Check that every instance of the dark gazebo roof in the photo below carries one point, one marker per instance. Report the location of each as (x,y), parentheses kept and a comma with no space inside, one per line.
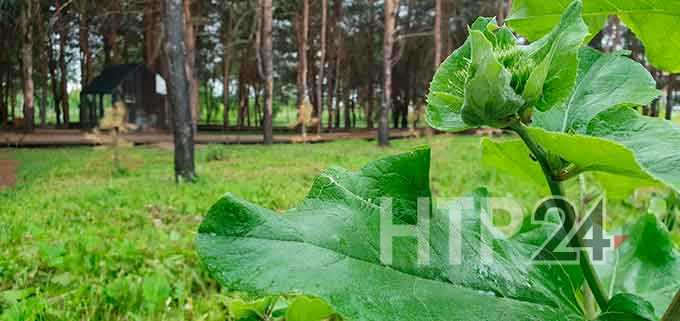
(110,78)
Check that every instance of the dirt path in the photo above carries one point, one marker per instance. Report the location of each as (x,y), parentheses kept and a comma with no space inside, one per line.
(44,138)
(8,173)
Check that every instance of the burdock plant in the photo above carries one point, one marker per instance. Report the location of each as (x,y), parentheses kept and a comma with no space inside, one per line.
(571,107)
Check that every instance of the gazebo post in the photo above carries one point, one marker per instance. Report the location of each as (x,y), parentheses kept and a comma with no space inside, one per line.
(92,105)
(101,105)
(81,112)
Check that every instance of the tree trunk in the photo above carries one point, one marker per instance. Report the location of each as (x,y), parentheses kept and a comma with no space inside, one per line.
(502,12)
(257,43)
(250,124)
(340,56)
(178,91)
(404,110)
(12,102)
(110,34)
(654,112)
(226,65)
(336,61)
(242,94)
(27,66)
(302,34)
(152,34)
(336,105)
(63,68)
(447,43)
(86,67)
(337,94)
(268,58)
(669,97)
(190,61)
(207,100)
(391,8)
(354,112)
(369,107)
(257,106)
(332,69)
(43,102)
(43,67)
(110,40)
(438,34)
(4,71)
(348,109)
(56,95)
(211,100)
(321,67)
(330,91)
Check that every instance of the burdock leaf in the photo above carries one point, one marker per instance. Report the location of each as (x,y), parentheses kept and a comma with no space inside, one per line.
(330,248)
(631,149)
(619,142)
(628,307)
(646,265)
(308,309)
(556,54)
(653,22)
(605,81)
(512,157)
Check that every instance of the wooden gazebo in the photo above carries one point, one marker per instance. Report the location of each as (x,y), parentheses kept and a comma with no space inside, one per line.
(142,90)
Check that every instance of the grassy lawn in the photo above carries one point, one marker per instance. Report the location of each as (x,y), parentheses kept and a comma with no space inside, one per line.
(77,243)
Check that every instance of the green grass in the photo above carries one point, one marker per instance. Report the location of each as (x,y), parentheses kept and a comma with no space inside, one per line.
(78,243)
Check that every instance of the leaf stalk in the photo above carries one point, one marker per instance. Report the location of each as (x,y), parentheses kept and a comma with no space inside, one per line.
(557,190)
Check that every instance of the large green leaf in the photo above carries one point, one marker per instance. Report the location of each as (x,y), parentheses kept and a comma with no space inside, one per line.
(308,309)
(513,157)
(655,142)
(329,247)
(654,22)
(628,307)
(604,81)
(636,150)
(587,153)
(557,53)
(621,141)
(647,265)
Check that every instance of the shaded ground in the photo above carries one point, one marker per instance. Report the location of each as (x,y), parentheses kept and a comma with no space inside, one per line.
(51,137)
(8,174)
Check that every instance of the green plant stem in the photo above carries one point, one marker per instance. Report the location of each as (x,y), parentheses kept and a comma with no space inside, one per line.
(673,312)
(588,298)
(557,190)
